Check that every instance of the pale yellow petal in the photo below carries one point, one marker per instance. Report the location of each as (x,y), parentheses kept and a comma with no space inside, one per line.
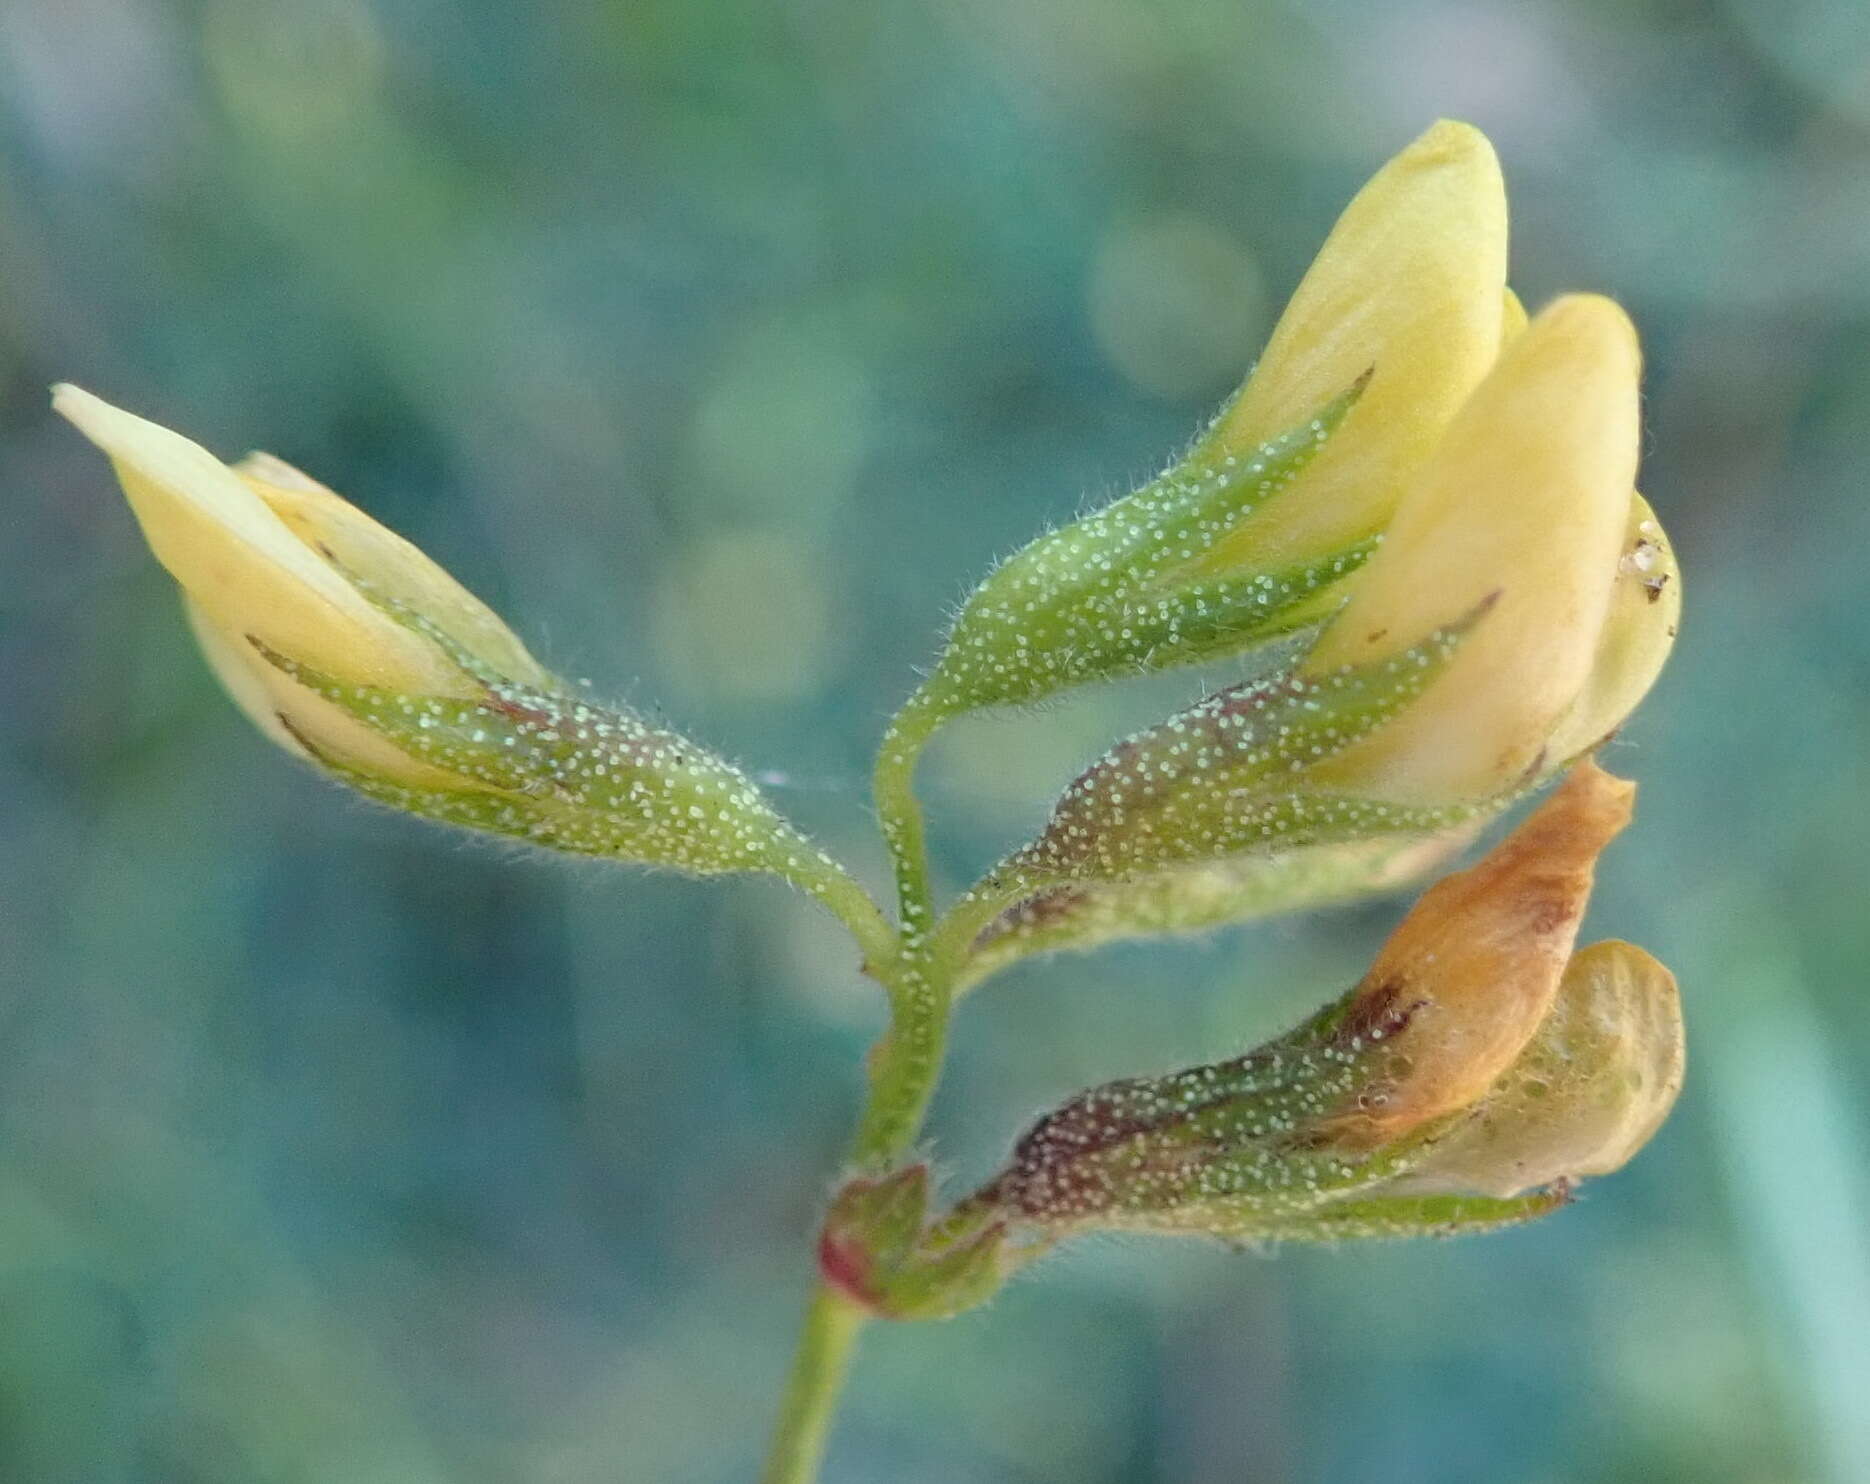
(1409,285)
(395,568)
(1527,499)
(237,561)
(1645,611)
(1512,319)
(266,694)
(244,675)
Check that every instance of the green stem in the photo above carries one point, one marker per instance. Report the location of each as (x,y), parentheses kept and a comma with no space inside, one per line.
(906,1064)
(822,878)
(818,1368)
(899,814)
(905,1067)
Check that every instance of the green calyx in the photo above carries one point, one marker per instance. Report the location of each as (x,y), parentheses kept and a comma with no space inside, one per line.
(1104,596)
(1220,1149)
(1379,1217)
(1200,896)
(1268,1147)
(560,772)
(1227,776)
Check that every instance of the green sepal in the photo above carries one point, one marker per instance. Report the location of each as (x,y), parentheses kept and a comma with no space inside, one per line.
(1216,1149)
(563,773)
(885,1215)
(1226,777)
(944,1283)
(879,1250)
(415,620)
(1379,1217)
(1105,596)
(1080,916)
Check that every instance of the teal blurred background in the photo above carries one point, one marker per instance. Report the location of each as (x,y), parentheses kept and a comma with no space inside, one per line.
(720,346)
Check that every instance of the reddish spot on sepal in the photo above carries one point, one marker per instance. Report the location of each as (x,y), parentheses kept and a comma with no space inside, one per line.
(505,700)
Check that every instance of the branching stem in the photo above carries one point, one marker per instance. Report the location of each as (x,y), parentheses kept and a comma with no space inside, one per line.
(918,968)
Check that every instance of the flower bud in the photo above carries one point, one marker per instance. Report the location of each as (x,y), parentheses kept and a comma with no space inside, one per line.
(240,563)
(348,646)
(1527,497)
(243,570)
(1374,1087)
(1522,602)
(265,551)
(1394,325)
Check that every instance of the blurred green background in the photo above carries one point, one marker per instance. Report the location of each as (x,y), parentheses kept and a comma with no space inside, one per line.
(720,346)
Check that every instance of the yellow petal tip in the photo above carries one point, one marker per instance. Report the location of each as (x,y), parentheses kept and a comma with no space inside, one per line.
(1584,318)
(156,452)
(91,415)
(1452,141)
(271,469)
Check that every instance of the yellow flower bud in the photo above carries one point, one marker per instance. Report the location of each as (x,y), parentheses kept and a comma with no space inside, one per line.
(349,647)
(1588,1092)
(1469,1056)
(264,553)
(1251,536)
(1410,285)
(1527,497)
